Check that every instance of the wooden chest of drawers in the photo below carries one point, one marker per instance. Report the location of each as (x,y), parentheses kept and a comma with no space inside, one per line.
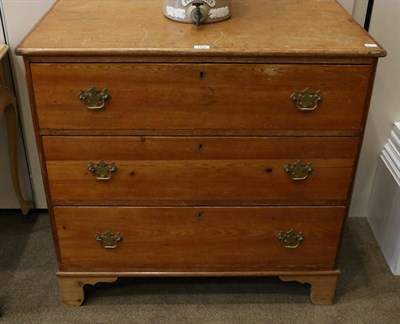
(221,150)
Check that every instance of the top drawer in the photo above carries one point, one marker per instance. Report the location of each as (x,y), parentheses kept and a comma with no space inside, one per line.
(200,97)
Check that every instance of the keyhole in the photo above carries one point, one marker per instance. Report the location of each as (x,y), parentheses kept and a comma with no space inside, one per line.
(201,147)
(200,216)
(202,75)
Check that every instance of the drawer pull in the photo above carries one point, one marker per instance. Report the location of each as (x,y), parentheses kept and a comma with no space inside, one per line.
(307,100)
(94,99)
(299,171)
(291,239)
(102,170)
(108,239)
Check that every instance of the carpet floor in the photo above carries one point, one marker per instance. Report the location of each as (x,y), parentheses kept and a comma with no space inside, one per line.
(367,292)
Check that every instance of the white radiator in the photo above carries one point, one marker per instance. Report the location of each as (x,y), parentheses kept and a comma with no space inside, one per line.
(384,203)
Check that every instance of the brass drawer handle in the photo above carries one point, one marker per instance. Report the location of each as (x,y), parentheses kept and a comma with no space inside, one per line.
(291,239)
(108,239)
(94,99)
(307,100)
(299,171)
(102,170)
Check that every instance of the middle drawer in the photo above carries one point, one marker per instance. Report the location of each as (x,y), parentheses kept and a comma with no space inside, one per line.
(198,170)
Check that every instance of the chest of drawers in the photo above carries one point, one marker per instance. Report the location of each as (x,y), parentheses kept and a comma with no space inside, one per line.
(161,157)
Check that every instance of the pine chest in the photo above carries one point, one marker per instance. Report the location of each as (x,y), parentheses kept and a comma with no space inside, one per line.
(227,149)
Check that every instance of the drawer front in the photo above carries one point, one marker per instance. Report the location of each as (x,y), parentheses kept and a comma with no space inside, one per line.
(197,239)
(196,97)
(198,170)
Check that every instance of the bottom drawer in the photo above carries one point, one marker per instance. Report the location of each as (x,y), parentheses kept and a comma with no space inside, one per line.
(198,239)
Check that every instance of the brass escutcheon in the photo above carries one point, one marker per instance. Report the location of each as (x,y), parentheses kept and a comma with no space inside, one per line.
(299,171)
(102,170)
(291,239)
(306,100)
(94,99)
(108,239)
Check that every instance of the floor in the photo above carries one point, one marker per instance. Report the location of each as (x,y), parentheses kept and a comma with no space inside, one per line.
(367,292)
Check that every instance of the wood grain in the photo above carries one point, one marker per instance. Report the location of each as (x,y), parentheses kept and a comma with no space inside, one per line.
(201,159)
(264,28)
(198,169)
(173,239)
(71,288)
(323,286)
(173,97)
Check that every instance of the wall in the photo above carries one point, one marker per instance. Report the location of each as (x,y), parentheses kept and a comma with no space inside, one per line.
(20,16)
(360,10)
(385,104)
(347,4)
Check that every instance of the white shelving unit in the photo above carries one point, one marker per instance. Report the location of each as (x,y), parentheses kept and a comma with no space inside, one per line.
(384,204)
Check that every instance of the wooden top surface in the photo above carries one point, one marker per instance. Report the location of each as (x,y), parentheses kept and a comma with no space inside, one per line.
(257,27)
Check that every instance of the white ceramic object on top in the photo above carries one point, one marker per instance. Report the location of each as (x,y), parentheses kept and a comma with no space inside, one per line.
(197,11)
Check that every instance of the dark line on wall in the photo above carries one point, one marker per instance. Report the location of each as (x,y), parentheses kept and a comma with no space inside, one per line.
(369,14)
(3,26)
